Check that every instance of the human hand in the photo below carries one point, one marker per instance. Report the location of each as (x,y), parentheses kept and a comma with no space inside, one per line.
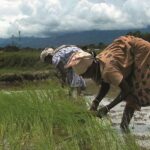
(94,105)
(102,112)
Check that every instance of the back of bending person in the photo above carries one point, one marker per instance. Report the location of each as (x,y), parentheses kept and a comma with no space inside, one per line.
(59,58)
(124,63)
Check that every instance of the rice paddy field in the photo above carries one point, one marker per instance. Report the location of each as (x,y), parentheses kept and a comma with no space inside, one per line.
(36,113)
(44,117)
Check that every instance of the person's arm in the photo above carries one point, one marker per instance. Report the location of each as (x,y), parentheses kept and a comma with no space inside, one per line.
(62,71)
(101,94)
(125,91)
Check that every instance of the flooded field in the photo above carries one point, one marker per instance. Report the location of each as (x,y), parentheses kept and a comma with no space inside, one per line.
(140,123)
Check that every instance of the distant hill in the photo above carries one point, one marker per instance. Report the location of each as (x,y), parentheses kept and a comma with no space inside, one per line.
(77,38)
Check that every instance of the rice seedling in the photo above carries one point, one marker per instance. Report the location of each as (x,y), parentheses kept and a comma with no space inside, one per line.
(48,119)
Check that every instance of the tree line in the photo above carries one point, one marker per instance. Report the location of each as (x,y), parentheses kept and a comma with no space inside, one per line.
(145,36)
(99,46)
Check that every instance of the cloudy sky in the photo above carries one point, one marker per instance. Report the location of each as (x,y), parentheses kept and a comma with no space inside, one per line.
(42,17)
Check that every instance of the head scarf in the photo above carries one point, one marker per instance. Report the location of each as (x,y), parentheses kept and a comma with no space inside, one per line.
(46,52)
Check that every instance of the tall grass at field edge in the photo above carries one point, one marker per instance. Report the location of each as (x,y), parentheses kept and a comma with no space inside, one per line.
(51,120)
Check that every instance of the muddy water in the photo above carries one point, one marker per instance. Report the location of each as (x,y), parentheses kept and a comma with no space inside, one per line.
(140,123)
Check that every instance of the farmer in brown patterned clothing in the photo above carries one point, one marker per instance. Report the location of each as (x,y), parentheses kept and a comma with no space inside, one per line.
(124,63)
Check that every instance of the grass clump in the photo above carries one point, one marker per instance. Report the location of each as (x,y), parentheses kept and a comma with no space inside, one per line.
(21,61)
(50,120)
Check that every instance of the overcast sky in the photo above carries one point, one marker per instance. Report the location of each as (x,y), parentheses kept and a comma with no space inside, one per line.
(41,17)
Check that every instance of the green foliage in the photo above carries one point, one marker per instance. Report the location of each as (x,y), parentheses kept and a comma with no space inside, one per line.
(29,76)
(23,65)
(145,36)
(21,61)
(49,119)
(11,48)
(98,47)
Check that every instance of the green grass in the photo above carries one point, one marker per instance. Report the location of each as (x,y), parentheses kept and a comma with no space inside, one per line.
(23,65)
(47,119)
(21,61)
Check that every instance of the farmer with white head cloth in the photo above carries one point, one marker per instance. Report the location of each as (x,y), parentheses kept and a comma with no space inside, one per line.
(59,58)
(126,64)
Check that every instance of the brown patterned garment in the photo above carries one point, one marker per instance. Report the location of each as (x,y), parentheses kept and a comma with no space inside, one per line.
(128,58)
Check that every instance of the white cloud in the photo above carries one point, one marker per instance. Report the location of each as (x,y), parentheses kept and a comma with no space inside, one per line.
(138,12)
(39,18)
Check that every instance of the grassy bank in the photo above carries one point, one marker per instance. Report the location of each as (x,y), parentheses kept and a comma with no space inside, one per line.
(44,119)
(23,65)
(17,60)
